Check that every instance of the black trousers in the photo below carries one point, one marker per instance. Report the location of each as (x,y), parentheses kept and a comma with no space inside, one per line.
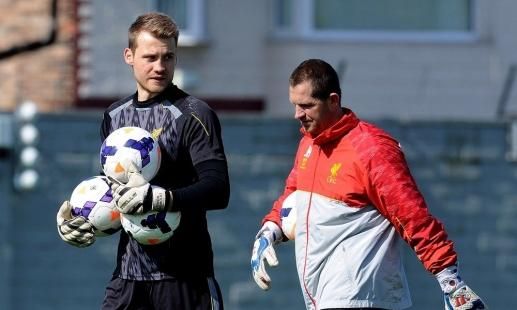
(167,294)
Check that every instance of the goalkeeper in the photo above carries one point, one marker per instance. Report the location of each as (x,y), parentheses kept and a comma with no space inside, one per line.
(193,178)
(356,202)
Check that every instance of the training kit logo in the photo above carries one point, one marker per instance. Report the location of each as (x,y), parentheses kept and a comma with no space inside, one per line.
(305,158)
(156,133)
(333,173)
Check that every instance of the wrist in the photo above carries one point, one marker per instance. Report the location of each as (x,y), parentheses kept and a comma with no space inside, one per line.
(161,199)
(271,231)
(449,279)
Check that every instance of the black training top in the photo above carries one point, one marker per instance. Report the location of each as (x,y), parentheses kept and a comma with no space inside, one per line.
(193,166)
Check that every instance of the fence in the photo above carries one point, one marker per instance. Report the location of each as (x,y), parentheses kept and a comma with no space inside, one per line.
(460,167)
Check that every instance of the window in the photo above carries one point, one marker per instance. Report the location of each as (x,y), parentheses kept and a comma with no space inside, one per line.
(410,19)
(190,16)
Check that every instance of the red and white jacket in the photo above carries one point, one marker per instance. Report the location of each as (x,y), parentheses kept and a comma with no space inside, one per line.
(355,200)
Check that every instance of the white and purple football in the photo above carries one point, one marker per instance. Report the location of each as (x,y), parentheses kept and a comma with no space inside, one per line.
(130,149)
(92,199)
(288,216)
(152,227)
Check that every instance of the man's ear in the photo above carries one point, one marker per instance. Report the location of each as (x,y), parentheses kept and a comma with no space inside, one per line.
(128,56)
(335,100)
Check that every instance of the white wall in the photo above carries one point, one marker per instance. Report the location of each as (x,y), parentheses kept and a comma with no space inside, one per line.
(384,79)
(233,62)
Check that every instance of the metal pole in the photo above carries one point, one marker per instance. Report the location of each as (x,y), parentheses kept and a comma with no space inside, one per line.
(6,176)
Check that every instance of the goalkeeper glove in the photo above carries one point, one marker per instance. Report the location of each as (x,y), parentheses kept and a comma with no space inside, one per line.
(456,294)
(137,196)
(269,235)
(76,231)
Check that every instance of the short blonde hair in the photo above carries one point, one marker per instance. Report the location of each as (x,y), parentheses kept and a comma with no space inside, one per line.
(158,24)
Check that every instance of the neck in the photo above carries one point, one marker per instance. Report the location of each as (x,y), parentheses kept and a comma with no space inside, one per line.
(144,96)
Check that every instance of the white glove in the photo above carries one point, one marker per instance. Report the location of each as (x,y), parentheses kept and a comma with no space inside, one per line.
(137,196)
(269,235)
(456,294)
(76,231)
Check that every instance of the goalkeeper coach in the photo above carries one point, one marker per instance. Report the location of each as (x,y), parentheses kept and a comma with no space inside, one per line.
(355,201)
(177,274)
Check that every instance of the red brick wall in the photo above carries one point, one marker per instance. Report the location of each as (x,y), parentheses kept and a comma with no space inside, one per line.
(44,74)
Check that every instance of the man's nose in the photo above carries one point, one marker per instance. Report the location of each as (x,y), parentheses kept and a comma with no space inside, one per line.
(159,65)
(298,113)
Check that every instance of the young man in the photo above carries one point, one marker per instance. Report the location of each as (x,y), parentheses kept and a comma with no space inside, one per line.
(193,178)
(355,201)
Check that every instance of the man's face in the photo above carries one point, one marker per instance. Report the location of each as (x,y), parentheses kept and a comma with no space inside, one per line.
(315,115)
(153,62)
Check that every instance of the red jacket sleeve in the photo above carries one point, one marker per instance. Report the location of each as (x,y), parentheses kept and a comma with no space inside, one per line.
(290,186)
(392,189)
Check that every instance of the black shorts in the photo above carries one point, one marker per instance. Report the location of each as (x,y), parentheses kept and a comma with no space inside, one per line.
(168,294)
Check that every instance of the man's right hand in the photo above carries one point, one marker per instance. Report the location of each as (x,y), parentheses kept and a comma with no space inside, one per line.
(263,250)
(76,231)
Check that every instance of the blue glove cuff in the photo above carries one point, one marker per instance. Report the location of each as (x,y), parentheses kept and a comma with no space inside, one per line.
(271,231)
(449,279)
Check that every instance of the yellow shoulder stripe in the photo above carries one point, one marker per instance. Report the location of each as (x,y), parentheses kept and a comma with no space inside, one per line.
(204,127)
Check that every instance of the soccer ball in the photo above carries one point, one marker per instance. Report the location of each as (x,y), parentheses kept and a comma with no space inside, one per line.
(92,199)
(130,149)
(152,227)
(288,216)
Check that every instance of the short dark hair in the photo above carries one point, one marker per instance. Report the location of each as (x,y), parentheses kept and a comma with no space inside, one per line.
(158,24)
(323,77)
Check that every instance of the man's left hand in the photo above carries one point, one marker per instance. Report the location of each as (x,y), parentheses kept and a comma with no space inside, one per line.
(463,299)
(456,294)
(137,196)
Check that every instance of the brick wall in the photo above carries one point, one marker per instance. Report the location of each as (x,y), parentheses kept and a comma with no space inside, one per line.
(45,72)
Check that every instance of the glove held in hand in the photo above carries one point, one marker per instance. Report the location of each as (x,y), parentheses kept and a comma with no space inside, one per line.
(269,235)
(76,231)
(457,295)
(138,196)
